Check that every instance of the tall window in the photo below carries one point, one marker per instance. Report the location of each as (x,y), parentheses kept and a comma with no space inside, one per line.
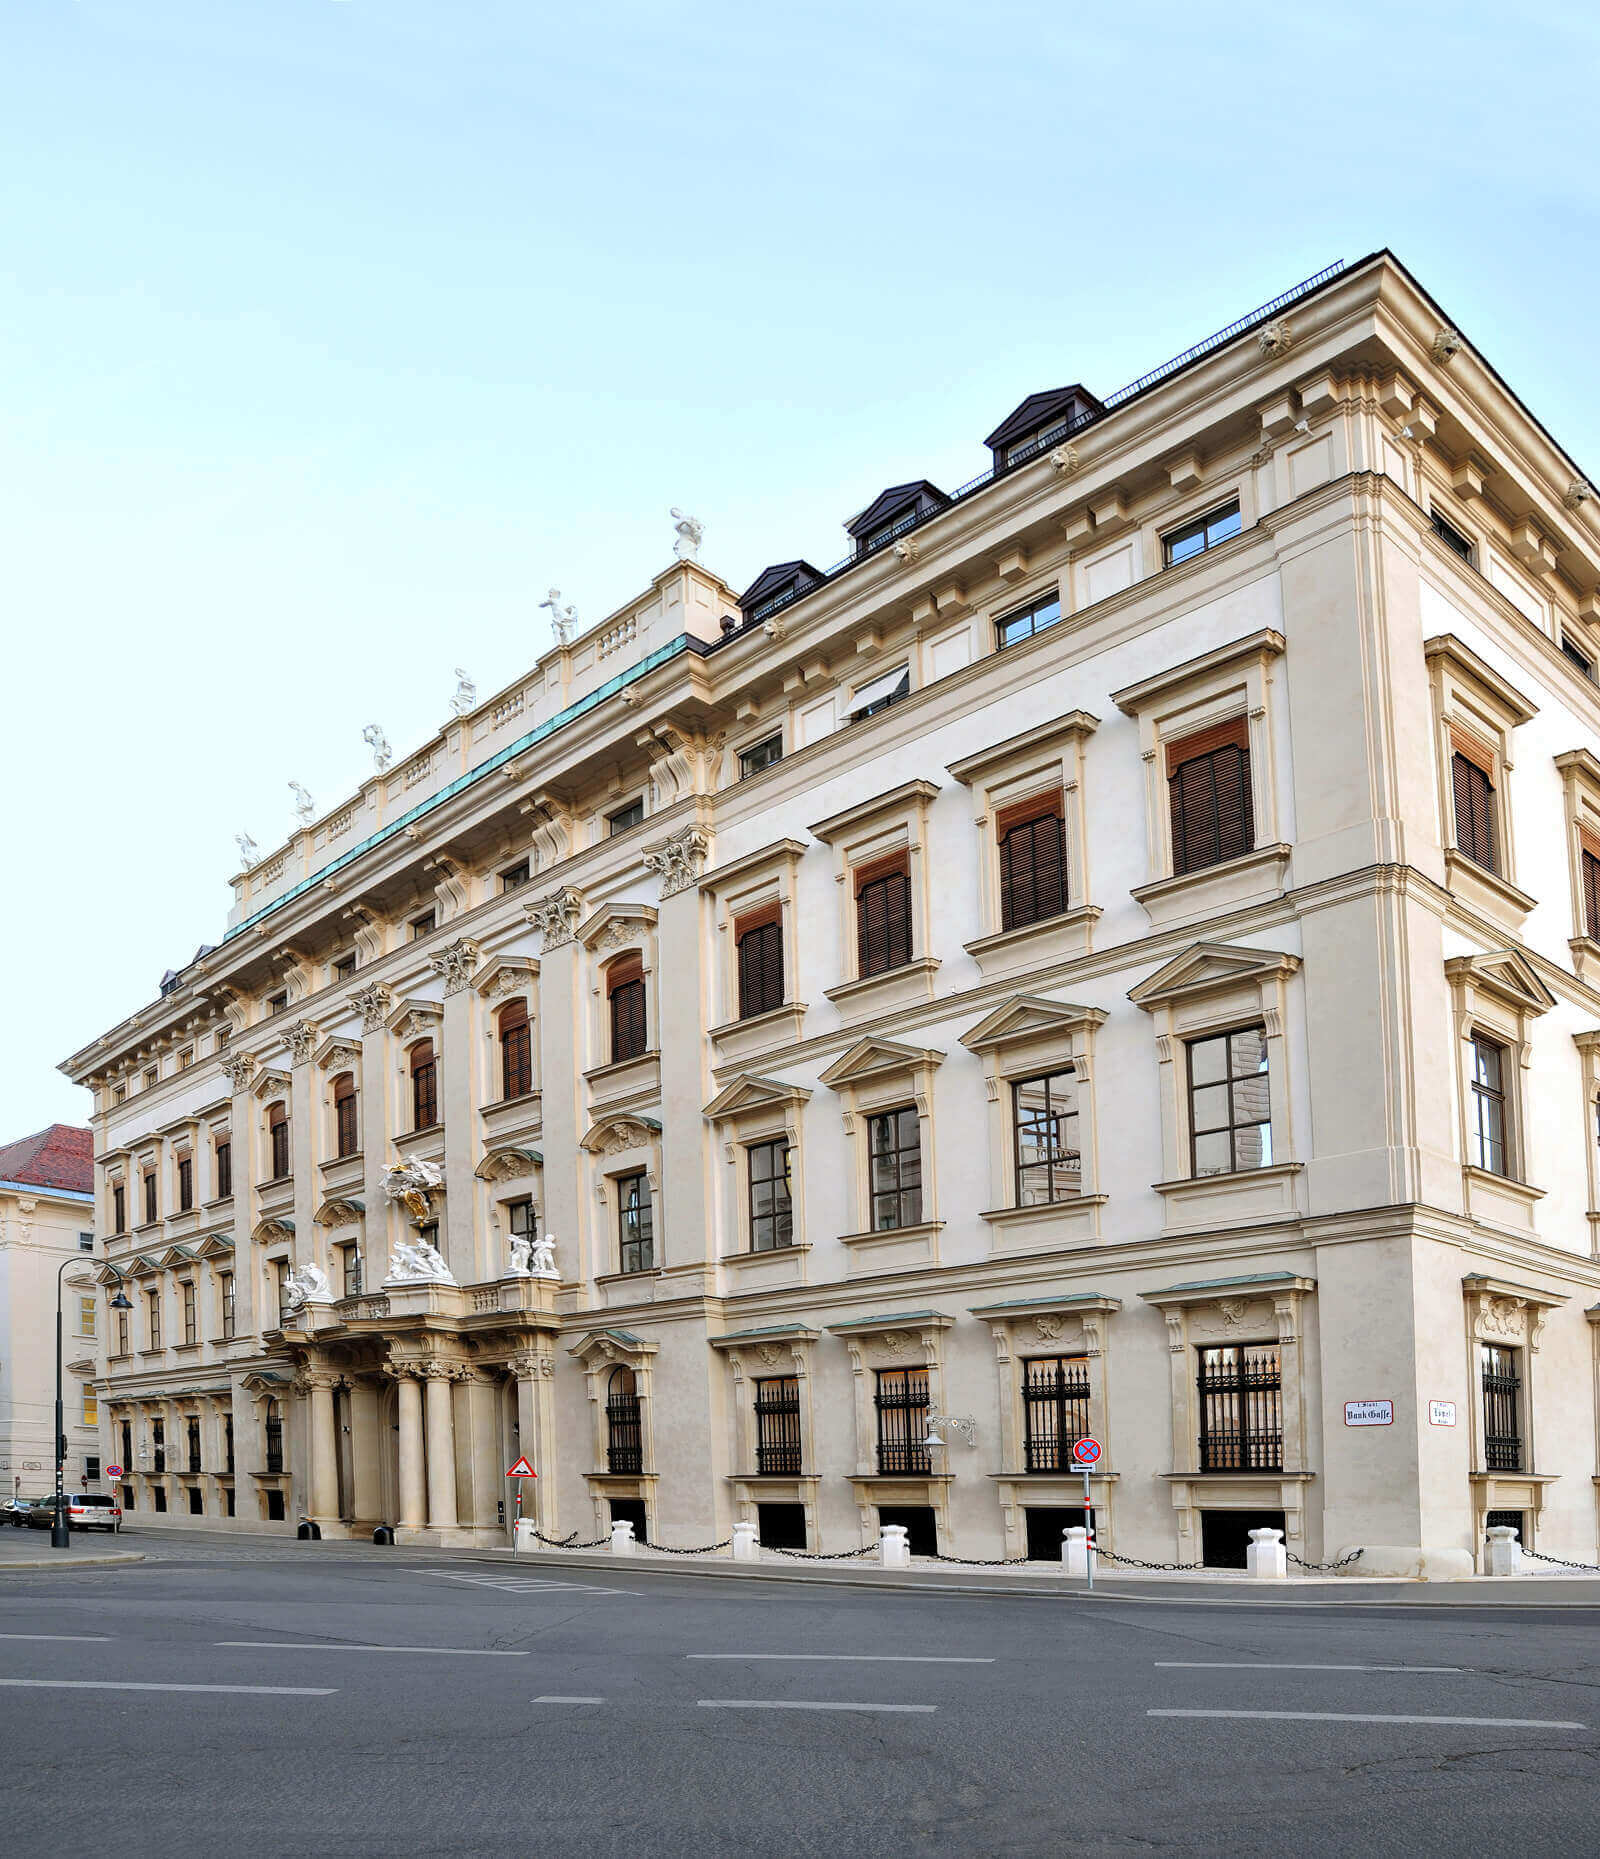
(1230,1112)
(153,1306)
(88,1316)
(274,1429)
(625,994)
(522,1218)
(424,1086)
(1241,1408)
(190,1330)
(1589,869)
(224,1169)
(225,1290)
(280,1277)
(1208,788)
(758,941)
(1499,1372)
(125,1431)
(1024,622)
(350,1260)
(227,1442)
(91,1405)
(635,1223)
(771,1206)
(185,1183)
(777,1406)
(883,914)
(1045,1118)
(1055,1411)
(151,1209)
(1033,860)
(346,1136)
(278,1141)
(119,1207)
(158,1445)
(901,1399)
(192,1430)
(1486,1129)
(895,1162)
(516,1050)
(123,1342)
(1474,798)
(624,1427)
(1203,533)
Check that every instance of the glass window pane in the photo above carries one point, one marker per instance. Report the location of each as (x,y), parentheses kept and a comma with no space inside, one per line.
(1208,1060)
(1213,1155)
(1252,1146)
(1210,1110)
(1221,527)
(1181,547)
(1248,1052)
(1250,1101)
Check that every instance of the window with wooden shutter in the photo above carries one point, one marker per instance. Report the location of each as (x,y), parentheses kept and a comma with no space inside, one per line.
(758,940)
(883,914)
(1208,781)
(1589,869)
(346,1137)
(278,1140)
(625,991)
(424,1086)
(1472,783)
(1032,838)
(516,1050)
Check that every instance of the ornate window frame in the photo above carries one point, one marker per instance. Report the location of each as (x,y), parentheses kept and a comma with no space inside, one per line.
(502,980)
(611,931)
(874,1076)
(1588,1044)
(769,875)
(1211,988)
(1580,778)
(746,1111)
(750,1356)
(912,1339)
(1499,995)
(1036,762)
(1235,680)
(1500,1310)
(599,1351)
(619,1144)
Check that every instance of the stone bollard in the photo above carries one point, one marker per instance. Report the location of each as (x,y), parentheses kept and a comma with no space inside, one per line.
(746,1543)
(894,1546)
(1075,1552)
(1266,1558)
(522,1536)
(622,1539)
(1503,1555)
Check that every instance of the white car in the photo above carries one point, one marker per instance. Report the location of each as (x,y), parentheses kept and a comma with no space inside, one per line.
(93,1510)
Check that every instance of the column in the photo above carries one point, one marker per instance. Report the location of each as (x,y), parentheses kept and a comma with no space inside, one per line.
(366,1446)
(535,1373)
(460,1063)
(322,1447)
(441,1448)
(413,1513)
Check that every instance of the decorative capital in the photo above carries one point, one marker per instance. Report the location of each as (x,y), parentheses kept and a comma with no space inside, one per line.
(238,1069)
(373,1003)
(301,1039)
(679,861)
(456,964)
(557,915)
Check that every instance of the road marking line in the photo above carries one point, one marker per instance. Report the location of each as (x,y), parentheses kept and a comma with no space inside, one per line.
(459,1652)
(792,1704)
(555,1700)
(1272,1665)
(847,1658)
(1486,1723)
(118,1684)
(95,1639)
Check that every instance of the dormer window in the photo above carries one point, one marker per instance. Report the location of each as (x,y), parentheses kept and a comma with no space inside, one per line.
(1041,422)
(892,513)
(775,587)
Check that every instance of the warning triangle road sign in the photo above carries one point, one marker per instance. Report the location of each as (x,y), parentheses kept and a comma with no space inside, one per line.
(522,1469)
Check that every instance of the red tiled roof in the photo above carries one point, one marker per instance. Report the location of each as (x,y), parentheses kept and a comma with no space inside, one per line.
(59,1157)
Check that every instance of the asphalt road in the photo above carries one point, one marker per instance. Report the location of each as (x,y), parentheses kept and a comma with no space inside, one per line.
(270,1698)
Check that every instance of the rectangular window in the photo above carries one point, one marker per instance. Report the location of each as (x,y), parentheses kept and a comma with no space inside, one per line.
(225,1288)
(516,1051)
(274,1442)
(278,1141)
(760,755)
(280,1276)
(192,1440)
(190,1332)
(153,1305)
(424,1090)
(1452,537)
(1032,840)
(1205,532)
(1589,865)
(224,1170)
(777,1407)
(150,1207)
(86,1242)
(91,1405)
(635,1223)
(278,1003)
(895,1164)
(1055,1411)
(158,1450)
(350,1259)
(1486,1115)
(185,1058)
(1230,1111)
(345,966)
(1499,1371)
(771,1208)
(1241,1408)
(185,1183)
(152,1077)
(1209,793)
(625,991)
(91,1468)
(346,1135)
(424,925)
(227,1452)
(515,877)
(119,1207)
(758,942)
(624,1422)
(123,1344)
(624,817)
(88,1316)
(880,694)
(901,1398)
(1024,622)
(1578,656)
(883,914)
(1472,786)
(1045,1119)
(522,1219)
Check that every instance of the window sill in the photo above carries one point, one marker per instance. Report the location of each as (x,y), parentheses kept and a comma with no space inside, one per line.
(1497,1200)
(1585,959)
(893,1249)
(626,1078)
(762,1032)
(428,1140)
(1036,945)
(1204,1201)
(647,1276)
(1233,884)
(905,986)
(222,1200)
(749,1261)
(1075,1221)
(187,1349)
(1486,891)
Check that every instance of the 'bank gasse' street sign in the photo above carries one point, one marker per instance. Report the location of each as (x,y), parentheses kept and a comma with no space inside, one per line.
(1369,1413)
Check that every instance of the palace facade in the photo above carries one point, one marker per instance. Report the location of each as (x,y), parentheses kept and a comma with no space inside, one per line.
(1117,955)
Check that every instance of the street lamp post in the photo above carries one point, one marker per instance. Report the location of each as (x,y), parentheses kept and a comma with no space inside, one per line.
(60,1529)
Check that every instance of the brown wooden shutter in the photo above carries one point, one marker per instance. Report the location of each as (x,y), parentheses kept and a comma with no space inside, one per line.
(1234,734)
(758,937)
(1033,860)
(1035,807)
(1590,862)
(1473,793)
(1208,784)
(757,919)
(1478,752)
(882,868)
(883,914)
(625,968)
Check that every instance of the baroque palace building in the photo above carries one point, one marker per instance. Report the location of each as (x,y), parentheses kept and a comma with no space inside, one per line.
(1118,955)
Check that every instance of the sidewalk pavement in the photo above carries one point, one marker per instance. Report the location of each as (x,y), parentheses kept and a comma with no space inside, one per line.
(30,1549)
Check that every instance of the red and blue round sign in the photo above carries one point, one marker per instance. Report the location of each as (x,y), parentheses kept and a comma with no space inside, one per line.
(1086,1451)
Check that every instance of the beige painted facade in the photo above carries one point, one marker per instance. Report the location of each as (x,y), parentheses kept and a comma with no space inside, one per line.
(1379,1252)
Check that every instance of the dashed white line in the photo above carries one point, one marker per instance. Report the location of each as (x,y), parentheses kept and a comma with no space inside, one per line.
(88,1639)
(847,1658)
(556,1700)
(1483,1723)
(119,1684)
(458,1652)
(797,1704)
(1273,1665)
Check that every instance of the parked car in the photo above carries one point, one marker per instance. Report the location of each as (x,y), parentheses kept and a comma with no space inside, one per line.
(86,1510)
(15,1511)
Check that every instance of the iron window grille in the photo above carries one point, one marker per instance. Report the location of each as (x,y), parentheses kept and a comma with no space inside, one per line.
(624,1423)
(1230,1110)
(1024,622)
(1502,1408)
(1486,1138)
(771,1197)
(901,1398)
(1476,831)
(274,1437)
(1044,1115)
(777,1407)
(224,1171)
(1205,532)
(760,755)
(894,1140)
(636,1223)
(883,922)
(1055,1411)
(347,1140)
(760,957)
(1241,1408)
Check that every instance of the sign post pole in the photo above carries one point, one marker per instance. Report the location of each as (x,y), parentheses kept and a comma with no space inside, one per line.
(1086,1452)
(521,1470)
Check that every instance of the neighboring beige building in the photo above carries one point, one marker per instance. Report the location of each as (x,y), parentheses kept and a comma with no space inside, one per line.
(47,1223)
(1119,953)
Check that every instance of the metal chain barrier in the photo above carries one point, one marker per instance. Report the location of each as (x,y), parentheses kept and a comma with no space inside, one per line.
(705,1549)
(822,1555)
(984,1562)
(571,1542)
(1343,1562)
(1533,1555)
(1133,1562)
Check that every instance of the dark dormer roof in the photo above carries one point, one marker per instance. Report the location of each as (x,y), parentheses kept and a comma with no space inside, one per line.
(897,500)
(1038,410)
(781,578)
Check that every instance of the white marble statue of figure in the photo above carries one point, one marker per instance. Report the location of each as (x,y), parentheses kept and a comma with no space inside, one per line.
(304,806)
(517,1252)
(414,1262)
(247,849)
(378,743)
(691,532)
(466,694)
(562,619)
(543,1262)
(307,1284)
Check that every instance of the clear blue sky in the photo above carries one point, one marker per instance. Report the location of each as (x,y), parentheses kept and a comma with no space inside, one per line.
(332,332)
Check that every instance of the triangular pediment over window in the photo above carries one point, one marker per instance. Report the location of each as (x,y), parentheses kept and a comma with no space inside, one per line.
(871,1058)
(215,1246)
(1505,974)
(1209,967)
(748,1092)
(1025,1016)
